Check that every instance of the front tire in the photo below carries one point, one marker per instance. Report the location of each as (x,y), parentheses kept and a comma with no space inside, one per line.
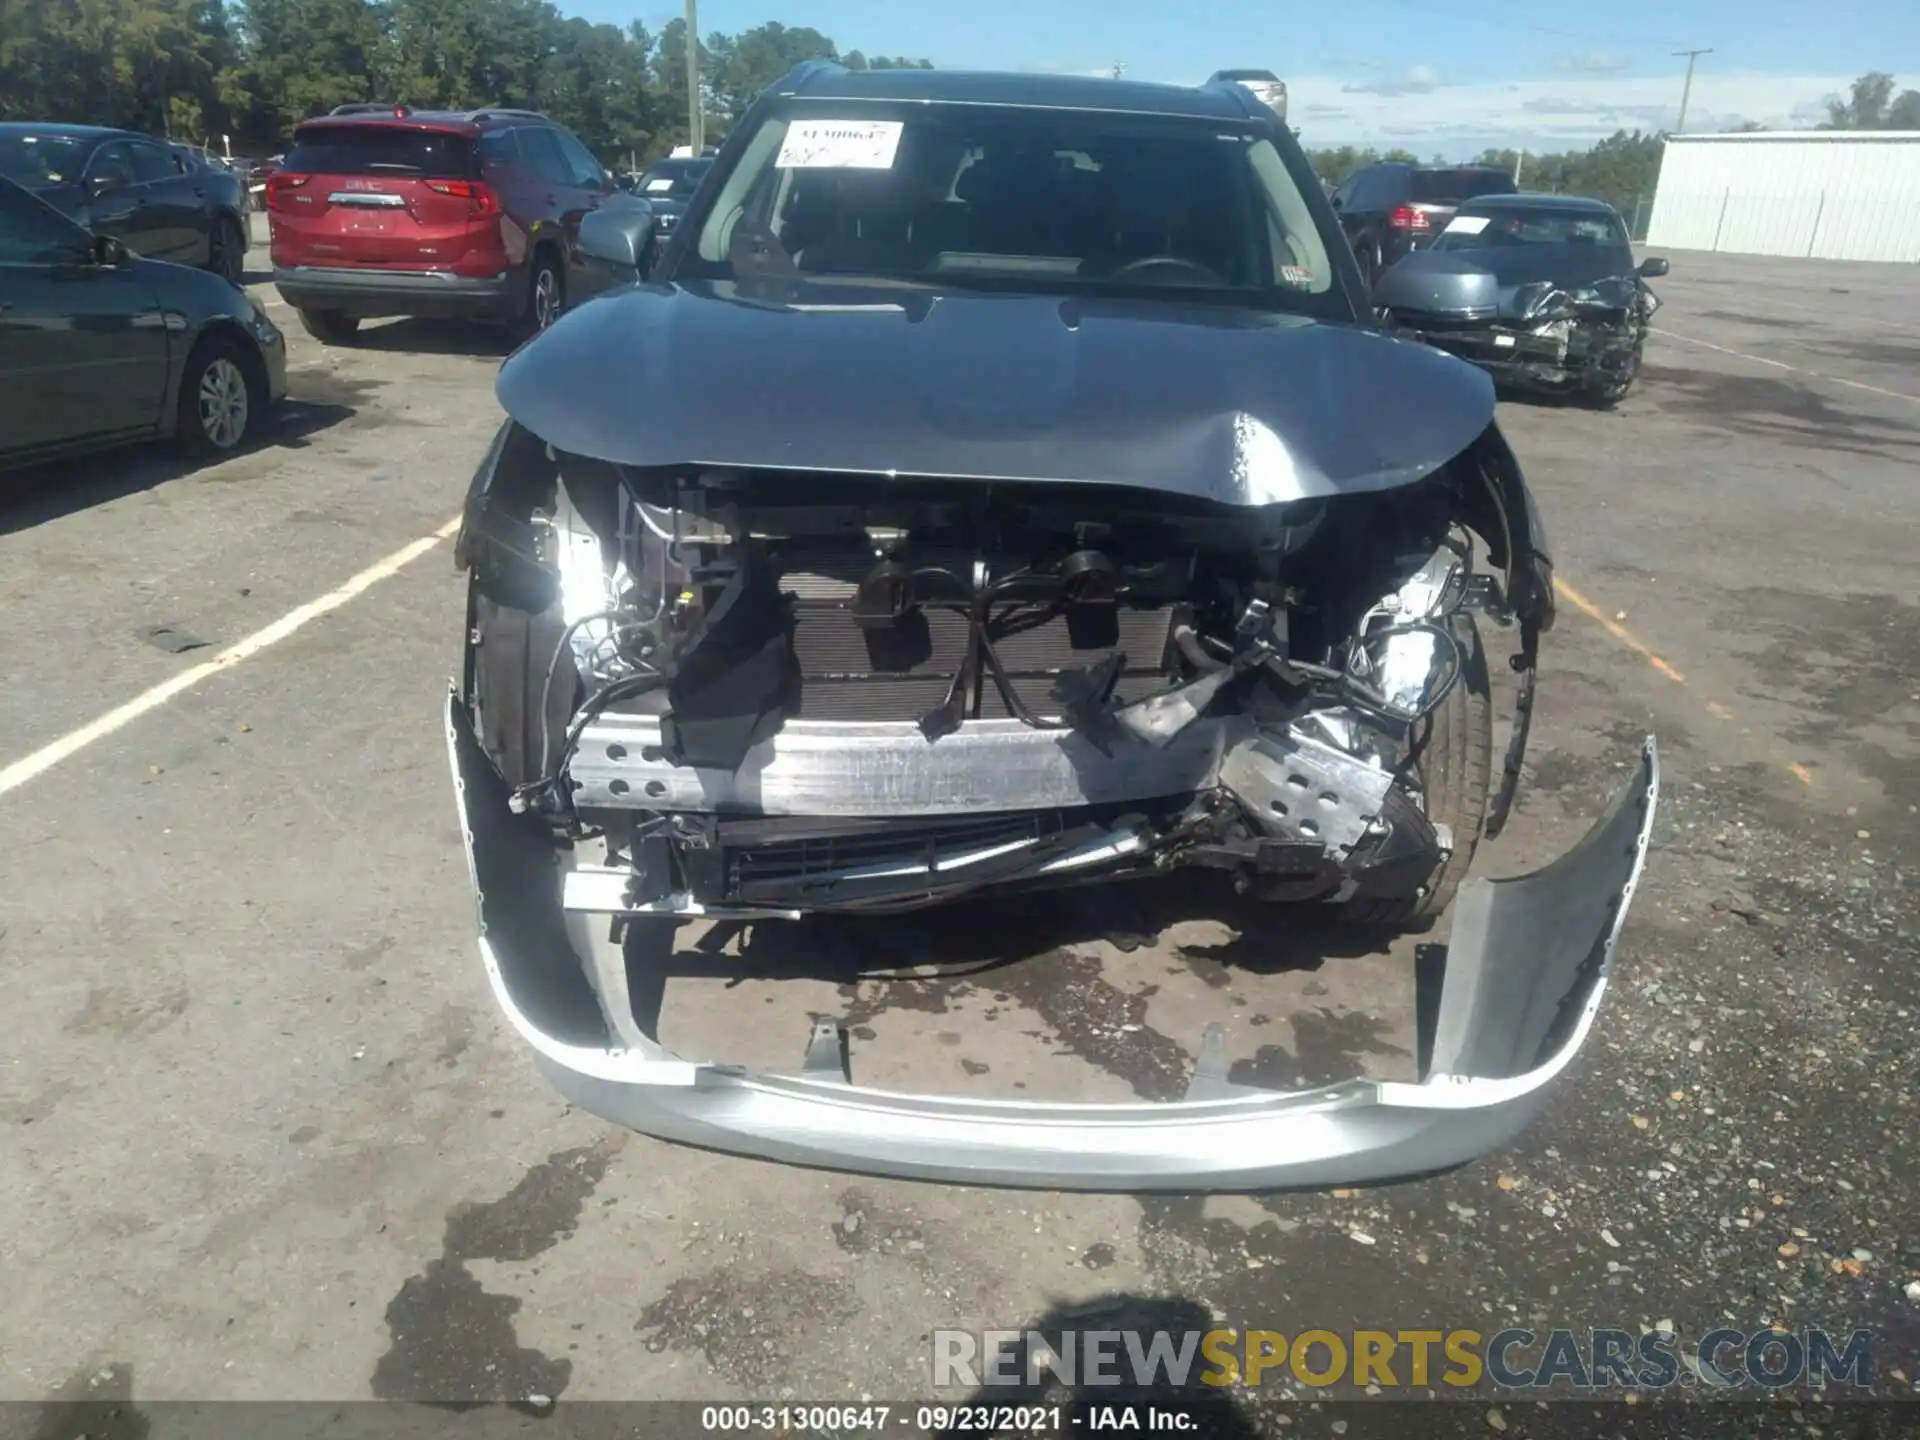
(1452,754)
(1608,395)
(329,327)
(221,399)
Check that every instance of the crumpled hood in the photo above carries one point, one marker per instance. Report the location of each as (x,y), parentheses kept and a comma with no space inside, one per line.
(1606,273)
(1571,267)
(1242,407)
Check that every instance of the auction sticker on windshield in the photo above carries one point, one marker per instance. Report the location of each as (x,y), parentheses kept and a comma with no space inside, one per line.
(839,145)
(1467,224)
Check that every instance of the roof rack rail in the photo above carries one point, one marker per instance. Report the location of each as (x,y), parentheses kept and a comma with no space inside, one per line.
(488,112)
(1264,86)
(367,107)
(796,79)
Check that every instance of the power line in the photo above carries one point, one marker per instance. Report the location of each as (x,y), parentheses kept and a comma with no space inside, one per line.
(1686,90)
(1455,13)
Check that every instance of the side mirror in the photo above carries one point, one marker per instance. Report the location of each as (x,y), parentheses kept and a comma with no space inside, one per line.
(617,236)
(1653,269)
(108,253)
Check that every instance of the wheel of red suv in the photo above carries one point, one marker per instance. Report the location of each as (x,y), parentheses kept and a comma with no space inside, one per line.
(546,298)
(227,250)
(329,327)
(1453,753)
(220,397)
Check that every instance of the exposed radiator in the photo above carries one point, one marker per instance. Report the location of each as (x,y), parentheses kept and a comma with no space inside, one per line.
(900,673)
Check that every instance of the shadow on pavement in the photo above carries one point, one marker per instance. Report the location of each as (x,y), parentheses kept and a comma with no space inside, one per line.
(1782,410)
(46,492)
(1265,939)
(431,337)
(1126,1325)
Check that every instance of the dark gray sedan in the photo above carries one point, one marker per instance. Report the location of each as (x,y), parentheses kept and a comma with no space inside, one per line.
(99,347)
(157,199)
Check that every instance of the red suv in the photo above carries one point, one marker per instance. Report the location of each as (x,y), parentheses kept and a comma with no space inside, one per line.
(469,215)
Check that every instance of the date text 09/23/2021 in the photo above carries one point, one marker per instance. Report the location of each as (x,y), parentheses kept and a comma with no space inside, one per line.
(845,1420)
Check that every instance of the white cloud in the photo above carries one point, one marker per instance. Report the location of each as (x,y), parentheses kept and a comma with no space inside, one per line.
(1598,62)
(1570,112)
(1416,80)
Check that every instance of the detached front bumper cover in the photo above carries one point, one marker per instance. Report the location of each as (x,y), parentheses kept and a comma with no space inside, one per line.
(1523,976)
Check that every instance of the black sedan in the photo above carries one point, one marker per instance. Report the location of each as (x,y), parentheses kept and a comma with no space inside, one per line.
(99,347)
(668,185)
(157,199)
(1541,291)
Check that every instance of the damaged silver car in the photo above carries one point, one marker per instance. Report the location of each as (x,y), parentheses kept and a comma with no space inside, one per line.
(999,483)
(1540,291)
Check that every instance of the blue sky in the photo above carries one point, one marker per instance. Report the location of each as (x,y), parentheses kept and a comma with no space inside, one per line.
(1441,76)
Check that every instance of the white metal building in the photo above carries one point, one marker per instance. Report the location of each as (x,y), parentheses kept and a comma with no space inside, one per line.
(1826,194)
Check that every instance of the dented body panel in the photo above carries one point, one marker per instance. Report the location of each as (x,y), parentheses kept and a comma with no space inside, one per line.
(1240,406)
(822,590)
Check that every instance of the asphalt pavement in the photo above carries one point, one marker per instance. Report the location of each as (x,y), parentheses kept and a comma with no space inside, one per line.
(264,1136)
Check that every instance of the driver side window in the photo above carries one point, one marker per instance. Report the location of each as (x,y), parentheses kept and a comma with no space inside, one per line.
(113,165)
(587,173)
(35,234)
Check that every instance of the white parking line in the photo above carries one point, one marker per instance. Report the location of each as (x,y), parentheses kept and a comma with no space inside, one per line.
(1782,365)
(70,744)
(1832,314)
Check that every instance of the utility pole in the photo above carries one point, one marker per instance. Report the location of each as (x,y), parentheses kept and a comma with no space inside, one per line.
(696,117)
(1686,90)
(1518,161)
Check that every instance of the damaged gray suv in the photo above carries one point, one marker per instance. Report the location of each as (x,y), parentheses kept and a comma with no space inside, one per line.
(1000,482)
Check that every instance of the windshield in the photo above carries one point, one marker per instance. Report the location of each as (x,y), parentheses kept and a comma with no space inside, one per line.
(1450,187)
(674,179)
(38,160)
(379,149)
(998,197)
(1490,227)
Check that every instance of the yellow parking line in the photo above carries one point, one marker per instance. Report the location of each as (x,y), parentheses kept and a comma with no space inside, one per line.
(1655,661)
(1618,631)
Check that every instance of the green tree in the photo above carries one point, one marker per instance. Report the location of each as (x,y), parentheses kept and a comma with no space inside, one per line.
(302,57)
(747,63)
(1873,105)
(115,62)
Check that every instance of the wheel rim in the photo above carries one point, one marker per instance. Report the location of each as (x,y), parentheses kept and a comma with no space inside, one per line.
(546,299)
(223,404)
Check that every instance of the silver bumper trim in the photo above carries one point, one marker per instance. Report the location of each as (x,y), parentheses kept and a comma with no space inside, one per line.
(1526,969)
(824,768)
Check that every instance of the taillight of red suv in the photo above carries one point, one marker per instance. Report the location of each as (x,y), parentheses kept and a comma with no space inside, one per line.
(280,186)
(482,202)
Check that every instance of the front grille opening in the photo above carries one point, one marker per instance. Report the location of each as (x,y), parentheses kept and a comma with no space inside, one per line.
(877,843)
